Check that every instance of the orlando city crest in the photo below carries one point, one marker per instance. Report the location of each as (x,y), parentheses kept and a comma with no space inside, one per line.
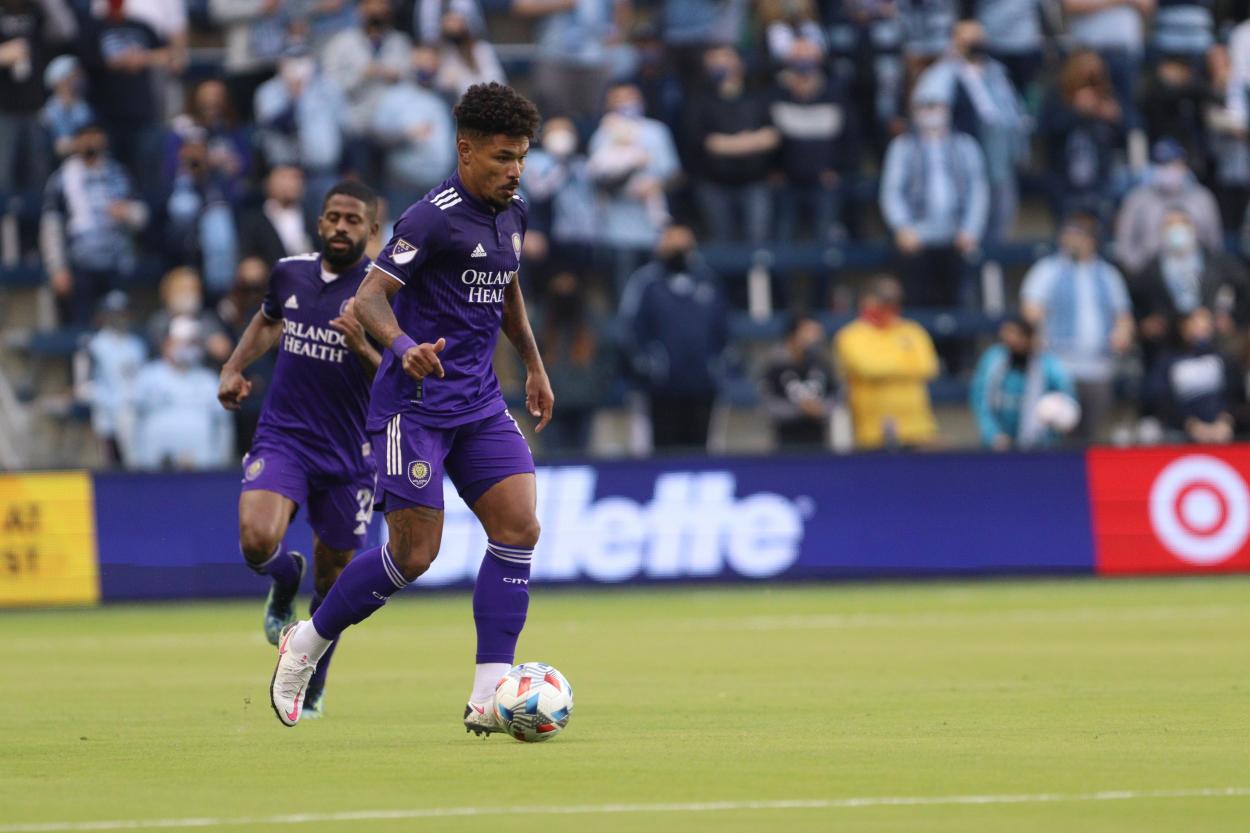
(253,469)
(516,243)
(419,473)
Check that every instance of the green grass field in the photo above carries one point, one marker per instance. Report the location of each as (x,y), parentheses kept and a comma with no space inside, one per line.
(997,706)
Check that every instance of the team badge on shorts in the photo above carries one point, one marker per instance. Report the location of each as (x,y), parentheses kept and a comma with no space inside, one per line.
(516,243)
(253,469)
(403,251)
(419,473)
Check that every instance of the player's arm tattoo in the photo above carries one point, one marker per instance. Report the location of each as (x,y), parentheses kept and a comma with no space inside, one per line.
(258,339)
(516,326)
(373,307)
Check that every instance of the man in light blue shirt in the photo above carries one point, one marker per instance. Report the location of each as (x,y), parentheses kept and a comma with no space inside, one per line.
(935,199)
(574,53)
(413,126)
(1081,305)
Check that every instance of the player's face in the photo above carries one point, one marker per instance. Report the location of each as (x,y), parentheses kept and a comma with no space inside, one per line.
(344,227)
(493,167)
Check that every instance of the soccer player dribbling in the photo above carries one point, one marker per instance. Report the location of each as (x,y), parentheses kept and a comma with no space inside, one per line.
(437,297)
(311,448)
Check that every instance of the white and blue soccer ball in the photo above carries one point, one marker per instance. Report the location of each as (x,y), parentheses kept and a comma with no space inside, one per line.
(533,702)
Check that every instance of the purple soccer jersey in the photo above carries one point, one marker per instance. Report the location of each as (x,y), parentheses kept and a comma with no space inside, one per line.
(320,391)
(455,256)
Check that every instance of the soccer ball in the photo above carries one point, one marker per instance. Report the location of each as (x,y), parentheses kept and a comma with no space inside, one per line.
(1058,412)
(533,702)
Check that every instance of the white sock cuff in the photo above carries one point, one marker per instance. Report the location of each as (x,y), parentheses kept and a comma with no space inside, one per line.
(509,553)
(264,565)
(392,571)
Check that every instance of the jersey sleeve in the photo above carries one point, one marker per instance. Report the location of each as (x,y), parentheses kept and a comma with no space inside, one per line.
(271,307)
(418,235)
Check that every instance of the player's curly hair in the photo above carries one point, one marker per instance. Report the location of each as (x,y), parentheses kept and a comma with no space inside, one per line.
(493,109)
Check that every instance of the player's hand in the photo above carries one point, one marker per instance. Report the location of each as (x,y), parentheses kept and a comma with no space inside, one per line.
(539,400)
(422,360)
(233,389)
(351,328)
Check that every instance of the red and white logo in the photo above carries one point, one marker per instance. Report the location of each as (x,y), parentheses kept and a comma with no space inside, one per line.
(1166,510)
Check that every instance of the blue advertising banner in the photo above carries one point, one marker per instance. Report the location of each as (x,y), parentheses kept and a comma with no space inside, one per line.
(164,536)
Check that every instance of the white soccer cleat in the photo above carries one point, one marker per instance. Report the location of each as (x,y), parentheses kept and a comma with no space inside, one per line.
(290,678)
(479,718)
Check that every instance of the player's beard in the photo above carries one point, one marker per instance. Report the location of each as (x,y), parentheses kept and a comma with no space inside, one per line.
(341,259)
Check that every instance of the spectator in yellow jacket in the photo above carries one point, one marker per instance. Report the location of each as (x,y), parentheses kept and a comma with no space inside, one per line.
(886,362)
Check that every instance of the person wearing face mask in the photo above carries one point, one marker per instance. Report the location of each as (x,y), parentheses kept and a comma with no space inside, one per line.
(678,325)
(1011,378)
(731,142)
(1192,386)
(819,143)
(935,199)
(463,58)
(576,364)
(105,370)
(178,423)
(1169,185)
(575,52)
(1187,275)
(983,104)
(301,120)
(1080,304)
(66,111)
(182,296)
(412,125)
(785,23)
(886,363)
(86,232)
(365,61)
(797,387)
(563,203)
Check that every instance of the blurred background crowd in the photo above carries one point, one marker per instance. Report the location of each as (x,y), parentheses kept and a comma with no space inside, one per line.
(847,224)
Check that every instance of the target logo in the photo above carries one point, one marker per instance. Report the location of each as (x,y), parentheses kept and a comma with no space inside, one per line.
(1164,510)
(1200,509)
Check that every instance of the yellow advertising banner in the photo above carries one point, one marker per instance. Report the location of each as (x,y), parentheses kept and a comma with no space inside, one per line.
(47,540)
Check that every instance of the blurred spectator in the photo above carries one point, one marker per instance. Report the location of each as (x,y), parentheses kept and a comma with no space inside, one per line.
(104,376)
(1225,120)
(300,116)
(463,58)
(819,144)
(279,228)
(167,18)
(236,311)
(201,225)
(179,425)
(797,386)
(676,315)
(86,231)
(788,22)
(690,27)
(428,17)
(1185,276)
(654,75)
(984,105)
(632,160)
(1172,105)
(182,297)
(1194,385)
(1115,29)
(927,26)
(256,35)
(560,189)
(1185,28)
(412,125)
(1013,35)
(731,142)
(210,118)
(1169,185)
(887,362)
(935,199)
(66,111)
(1011,380)
(1084,128)
(120,53)
(23,56)
(365,61)
(575,361)
(1081,305)
(575,50)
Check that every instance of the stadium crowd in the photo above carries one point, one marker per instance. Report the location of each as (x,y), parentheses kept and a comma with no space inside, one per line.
(157,156)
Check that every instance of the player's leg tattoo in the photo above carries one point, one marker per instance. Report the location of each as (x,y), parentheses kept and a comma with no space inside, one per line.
(501,593)
(416,533)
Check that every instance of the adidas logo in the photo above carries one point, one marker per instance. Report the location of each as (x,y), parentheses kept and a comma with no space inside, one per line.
(291,303)
(479,251)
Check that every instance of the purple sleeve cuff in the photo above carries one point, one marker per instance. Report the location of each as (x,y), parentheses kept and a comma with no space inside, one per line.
(402,345)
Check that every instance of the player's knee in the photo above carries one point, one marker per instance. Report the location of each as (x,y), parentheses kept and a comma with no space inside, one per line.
(413,559)
(258,541)
(521,533)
